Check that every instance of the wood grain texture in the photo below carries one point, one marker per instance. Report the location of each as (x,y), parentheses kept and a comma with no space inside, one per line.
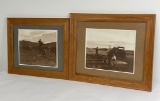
(148,19)
(64,22)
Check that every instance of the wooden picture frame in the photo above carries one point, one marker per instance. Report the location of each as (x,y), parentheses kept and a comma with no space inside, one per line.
(38,46)
(106,32)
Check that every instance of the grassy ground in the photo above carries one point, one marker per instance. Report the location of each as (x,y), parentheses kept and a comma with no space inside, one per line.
(32,57)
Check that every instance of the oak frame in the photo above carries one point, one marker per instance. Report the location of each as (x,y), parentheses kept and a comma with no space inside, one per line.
(63,22)
(148,19)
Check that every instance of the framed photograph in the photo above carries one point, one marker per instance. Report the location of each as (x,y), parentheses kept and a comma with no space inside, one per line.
(112,49)
(38,46)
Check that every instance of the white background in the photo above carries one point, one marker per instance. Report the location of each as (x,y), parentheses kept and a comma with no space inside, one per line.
(62,8)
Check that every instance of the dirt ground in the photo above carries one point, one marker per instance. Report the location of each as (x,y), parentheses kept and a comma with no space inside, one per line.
(99,62)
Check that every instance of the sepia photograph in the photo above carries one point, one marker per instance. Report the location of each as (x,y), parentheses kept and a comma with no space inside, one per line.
(38,47)
(110,50)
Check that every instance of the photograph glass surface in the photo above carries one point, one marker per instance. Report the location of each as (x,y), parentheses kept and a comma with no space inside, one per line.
(38,47)
(110,50)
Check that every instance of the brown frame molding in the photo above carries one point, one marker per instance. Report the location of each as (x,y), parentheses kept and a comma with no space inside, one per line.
(148,19)
(64,22)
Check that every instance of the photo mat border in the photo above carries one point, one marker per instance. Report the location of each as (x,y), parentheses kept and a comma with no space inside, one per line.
(139,27)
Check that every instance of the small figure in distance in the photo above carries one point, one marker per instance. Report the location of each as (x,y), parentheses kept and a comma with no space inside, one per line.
(97,51)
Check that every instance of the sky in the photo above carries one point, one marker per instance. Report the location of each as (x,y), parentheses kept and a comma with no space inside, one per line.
(34,35)
(103,38)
